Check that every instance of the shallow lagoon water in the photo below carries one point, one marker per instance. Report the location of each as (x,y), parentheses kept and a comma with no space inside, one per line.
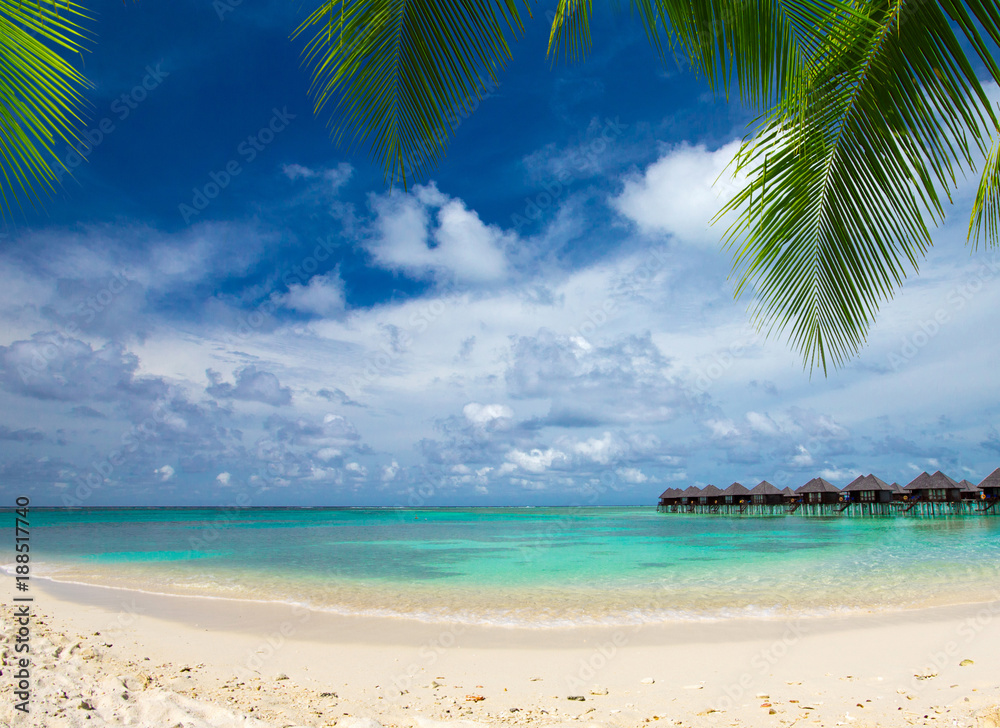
(528,566)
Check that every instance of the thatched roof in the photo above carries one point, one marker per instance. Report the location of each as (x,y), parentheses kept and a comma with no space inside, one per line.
(944,481)
(710,491)
(669,493)
(818,485)
(897,488)
(867,482)
(968,487)
(736,489)
(764,488)
(921,482)
(992,480)
(938,480)
(692,491)
(788,492)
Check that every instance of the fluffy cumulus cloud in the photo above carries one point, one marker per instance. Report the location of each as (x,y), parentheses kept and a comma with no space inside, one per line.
(632,475)
(488,415)
(303,450)
(52,366)
(322,296)
(627,379)
(437,353)
(681,193)
(165,472)
(537,460)
(428,233)
(252,385)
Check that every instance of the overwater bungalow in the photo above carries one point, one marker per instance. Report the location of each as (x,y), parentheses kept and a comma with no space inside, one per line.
(690,496)
(818,491)
(868,489)
(970,492)
(710,495)
(865,496)
(766,494)
(991,486)
(937,488)
(735,494)
(669,497)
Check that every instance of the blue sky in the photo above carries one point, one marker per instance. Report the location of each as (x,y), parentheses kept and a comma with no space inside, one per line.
(547,319)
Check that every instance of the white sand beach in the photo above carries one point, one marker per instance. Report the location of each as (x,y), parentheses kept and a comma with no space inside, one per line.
(110,657)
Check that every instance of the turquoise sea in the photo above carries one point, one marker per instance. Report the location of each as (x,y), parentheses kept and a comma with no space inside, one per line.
(527,566)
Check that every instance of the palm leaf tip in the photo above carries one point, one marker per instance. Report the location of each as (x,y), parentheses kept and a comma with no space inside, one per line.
(849,168)
(402,74)
(40,95)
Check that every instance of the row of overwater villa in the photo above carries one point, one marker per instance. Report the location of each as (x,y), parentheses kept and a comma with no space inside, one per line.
(867,495)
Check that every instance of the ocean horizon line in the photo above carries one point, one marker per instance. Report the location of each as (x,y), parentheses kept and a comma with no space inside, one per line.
(326,508)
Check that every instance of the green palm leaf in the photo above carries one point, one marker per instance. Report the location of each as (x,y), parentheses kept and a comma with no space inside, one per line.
(847,170)
(986,209)
(40,94)
(405,72)
(869,109)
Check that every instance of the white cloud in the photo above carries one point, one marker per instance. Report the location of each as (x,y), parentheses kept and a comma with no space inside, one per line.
(327,454)
(482,415)
(722,428)
(537,460)
(166,473)
(632,475)
(223,478)
(358,469)
(601,450)
(803,458)
(681,192)
(458,246)
(762,423)
(336,177)
(841,475)
(323,296)
(389,472)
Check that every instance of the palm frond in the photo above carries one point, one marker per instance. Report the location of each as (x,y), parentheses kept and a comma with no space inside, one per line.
(405,72)
(755,48)
(986,208)
(970,16)
(845,170)
(40,94)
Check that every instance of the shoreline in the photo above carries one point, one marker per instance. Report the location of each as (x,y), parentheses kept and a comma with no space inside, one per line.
(231,662)
(216,611)
(446,616)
